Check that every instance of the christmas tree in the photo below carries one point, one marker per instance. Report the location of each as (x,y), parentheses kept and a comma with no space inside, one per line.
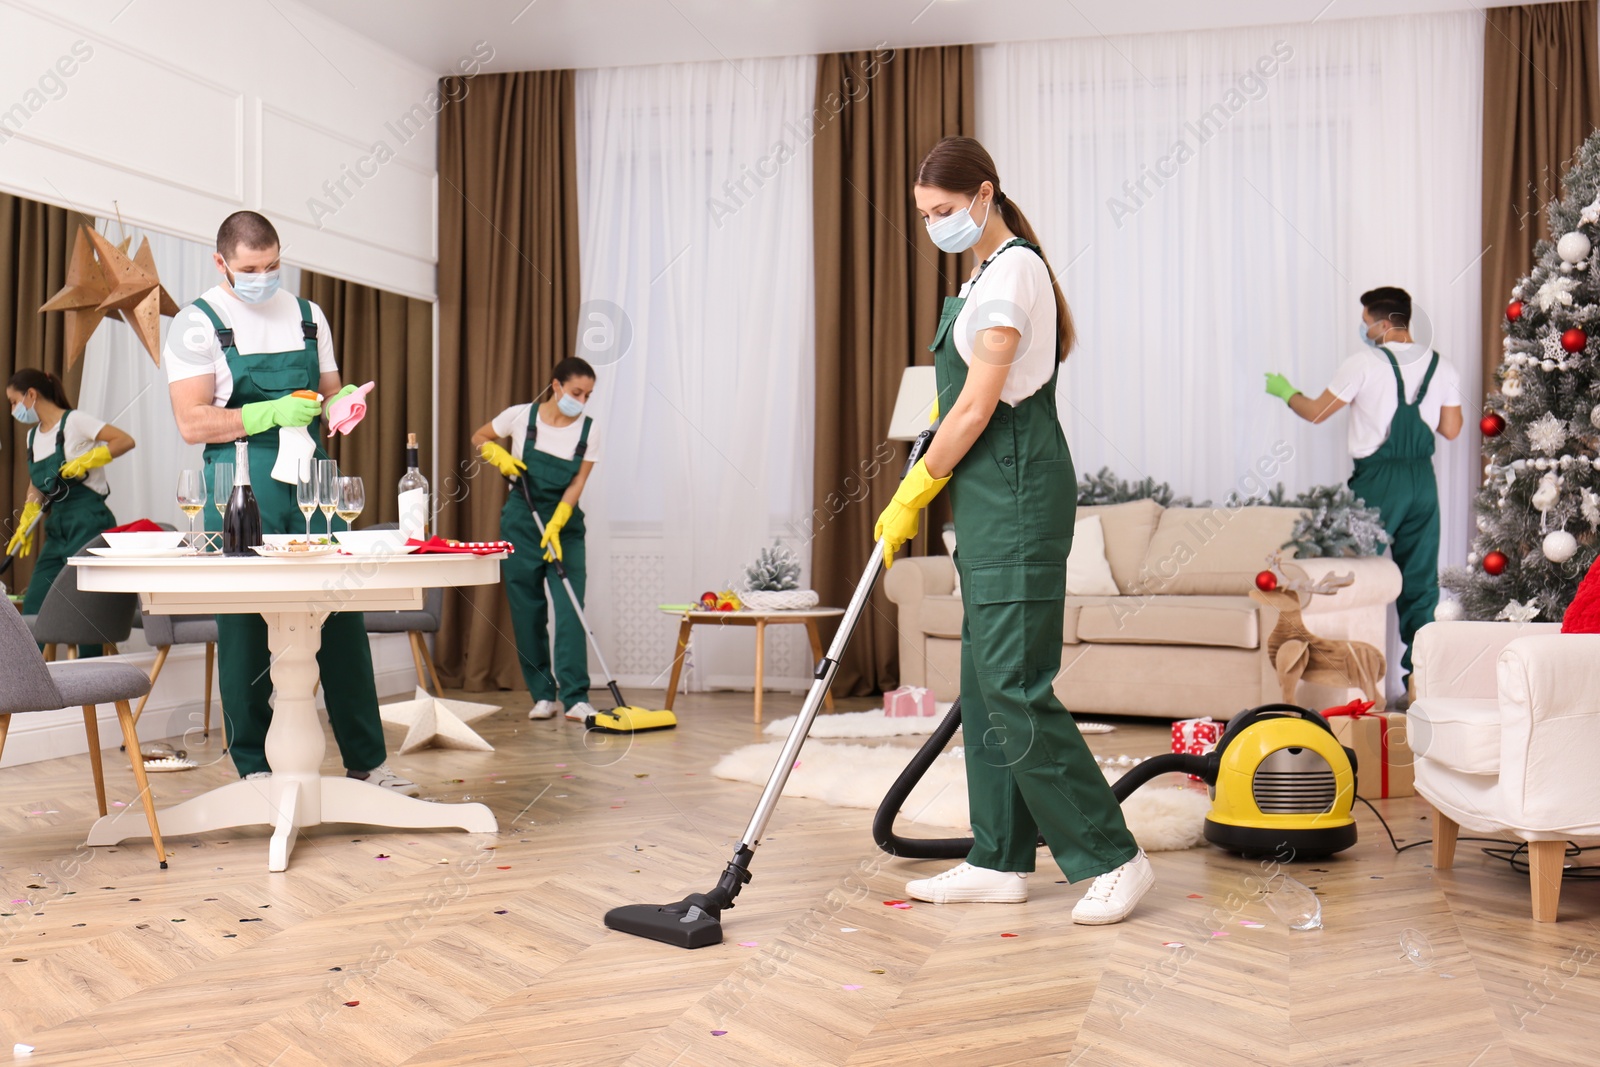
(1538,510)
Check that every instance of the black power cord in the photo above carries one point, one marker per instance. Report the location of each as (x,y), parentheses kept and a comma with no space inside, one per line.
(1516,857)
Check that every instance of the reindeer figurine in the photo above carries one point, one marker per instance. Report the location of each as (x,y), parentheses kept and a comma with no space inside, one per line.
(1298,654)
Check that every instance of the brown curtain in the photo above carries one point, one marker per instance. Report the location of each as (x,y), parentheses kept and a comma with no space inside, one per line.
(879,284)
(35,242)
(508,306)
(387,338)
(1541,98)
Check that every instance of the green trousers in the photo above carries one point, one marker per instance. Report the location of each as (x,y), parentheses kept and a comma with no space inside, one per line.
(1406,495)
(531,586)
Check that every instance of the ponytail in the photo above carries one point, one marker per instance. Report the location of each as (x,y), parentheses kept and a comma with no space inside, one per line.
(44,383)
(962,165)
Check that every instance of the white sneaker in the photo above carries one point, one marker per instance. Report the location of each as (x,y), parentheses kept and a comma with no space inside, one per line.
(966,884)
(544,709)
(580,711)
(1113,895)
(256,776)
(382,777)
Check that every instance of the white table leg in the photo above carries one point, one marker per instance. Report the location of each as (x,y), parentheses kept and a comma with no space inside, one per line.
(295,744)
(223,808)
(286,826)
(349,800)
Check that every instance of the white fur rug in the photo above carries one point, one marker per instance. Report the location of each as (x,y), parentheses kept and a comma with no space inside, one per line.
(1165,815)
(872,723)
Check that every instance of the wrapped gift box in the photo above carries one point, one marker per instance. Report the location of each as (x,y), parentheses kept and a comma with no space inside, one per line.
(908,701)
(1196,737)
(1383,755)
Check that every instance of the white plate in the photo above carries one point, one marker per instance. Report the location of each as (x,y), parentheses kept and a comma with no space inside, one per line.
(277,552)
(140,553)
(397,550)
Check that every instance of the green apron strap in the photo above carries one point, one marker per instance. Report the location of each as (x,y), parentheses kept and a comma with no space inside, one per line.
(1399,379)
(583,439)
(224,332)
(1433,365)
(308,327)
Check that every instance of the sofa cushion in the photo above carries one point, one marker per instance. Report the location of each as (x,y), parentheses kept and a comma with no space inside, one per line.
(1128,529)
(941,615)
(1088,573)
(1214,551)
(1460,733)
(1214,621)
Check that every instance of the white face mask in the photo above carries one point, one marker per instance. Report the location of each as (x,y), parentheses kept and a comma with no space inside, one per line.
(956,232)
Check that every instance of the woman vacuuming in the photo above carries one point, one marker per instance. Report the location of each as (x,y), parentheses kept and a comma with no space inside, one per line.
(553,447)
(67,450)
(1014,497)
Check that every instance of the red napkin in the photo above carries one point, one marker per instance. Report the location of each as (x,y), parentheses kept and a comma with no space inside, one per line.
(440,546)
(137,526)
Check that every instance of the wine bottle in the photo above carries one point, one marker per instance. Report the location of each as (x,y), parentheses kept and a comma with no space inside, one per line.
(241,522)
(413,496)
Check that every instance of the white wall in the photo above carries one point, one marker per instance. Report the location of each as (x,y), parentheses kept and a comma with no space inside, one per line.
(181,112)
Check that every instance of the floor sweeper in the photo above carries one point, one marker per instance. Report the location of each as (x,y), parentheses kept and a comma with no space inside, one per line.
(625,718)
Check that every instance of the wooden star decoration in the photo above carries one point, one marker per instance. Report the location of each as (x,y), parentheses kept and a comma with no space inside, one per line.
(435,723)
(136,292)
(81,297)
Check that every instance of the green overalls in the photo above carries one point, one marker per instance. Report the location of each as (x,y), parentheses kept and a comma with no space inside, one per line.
(243,660)
(1014,496)
(1398,480)
(526,571)
(74,520)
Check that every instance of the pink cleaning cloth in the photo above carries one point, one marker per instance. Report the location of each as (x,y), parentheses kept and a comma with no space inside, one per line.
(344,413)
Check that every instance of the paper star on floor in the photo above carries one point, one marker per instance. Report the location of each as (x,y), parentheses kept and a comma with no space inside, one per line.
(432,722)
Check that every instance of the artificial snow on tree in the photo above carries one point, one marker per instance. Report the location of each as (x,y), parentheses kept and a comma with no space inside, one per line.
(1105,487)
(772,582)
(1538,510)
(1337,523)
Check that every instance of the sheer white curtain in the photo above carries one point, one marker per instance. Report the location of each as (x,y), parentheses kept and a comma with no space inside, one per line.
(1214,203)
(694,216)
(123,386)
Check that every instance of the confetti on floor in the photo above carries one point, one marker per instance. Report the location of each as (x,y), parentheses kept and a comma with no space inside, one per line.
(1219,933)
(352,1003)
(1196,896)
(718,1033)
(847,929)
(1008,935)
(749,944)
(879,970)
(850,988)
(1172,944)
(1252,924)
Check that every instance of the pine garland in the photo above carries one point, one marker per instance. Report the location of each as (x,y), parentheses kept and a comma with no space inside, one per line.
(1104,487)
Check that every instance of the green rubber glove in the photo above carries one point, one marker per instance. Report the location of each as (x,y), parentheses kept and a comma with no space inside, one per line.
(287,411)
(898,523)
(1279,386)
(346,391)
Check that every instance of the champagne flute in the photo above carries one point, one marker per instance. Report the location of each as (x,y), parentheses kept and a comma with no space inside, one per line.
(191,497)
(327,490)
(305,497)
(221,486)
(352,499)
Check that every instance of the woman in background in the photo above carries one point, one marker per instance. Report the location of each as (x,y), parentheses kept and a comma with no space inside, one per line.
(67,453)
(1014,496)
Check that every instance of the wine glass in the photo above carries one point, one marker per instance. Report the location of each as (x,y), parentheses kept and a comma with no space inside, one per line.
(191,496)
(327,490)
(221,486)
(352,499)
(305,497)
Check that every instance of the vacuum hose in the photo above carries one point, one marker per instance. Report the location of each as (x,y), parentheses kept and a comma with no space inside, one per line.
(954,848)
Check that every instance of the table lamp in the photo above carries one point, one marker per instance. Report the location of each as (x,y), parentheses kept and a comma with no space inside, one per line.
(913,403)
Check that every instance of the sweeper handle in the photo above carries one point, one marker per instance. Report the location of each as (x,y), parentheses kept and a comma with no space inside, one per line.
(696,920)
(955,848)
(572,595)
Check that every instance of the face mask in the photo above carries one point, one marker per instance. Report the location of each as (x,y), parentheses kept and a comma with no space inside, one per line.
(956,232)
(25,415)
(569,407)
(254,288)
(1366,339)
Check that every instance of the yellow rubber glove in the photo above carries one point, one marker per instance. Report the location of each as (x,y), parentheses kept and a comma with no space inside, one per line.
(98,456)
(21,542)
(898,523)
(933,416)
(501,460)
(551,541)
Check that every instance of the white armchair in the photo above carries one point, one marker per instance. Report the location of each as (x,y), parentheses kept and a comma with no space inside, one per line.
(1505,729)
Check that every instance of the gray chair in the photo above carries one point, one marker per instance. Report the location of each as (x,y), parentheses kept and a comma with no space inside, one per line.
(161,632)
(414,624)
(31,684)
(72,617)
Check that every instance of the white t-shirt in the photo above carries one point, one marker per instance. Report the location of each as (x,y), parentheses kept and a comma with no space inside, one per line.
(82,435)
(558,441)
(1014,291)
(192,348)
(1365,381)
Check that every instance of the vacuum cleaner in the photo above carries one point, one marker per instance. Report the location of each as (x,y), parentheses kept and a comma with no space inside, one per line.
(625,718)
(1281,784)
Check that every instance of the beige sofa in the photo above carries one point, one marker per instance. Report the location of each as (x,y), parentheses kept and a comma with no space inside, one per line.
(1183,638)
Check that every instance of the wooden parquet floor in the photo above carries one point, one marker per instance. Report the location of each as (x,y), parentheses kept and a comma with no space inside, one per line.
(439,949)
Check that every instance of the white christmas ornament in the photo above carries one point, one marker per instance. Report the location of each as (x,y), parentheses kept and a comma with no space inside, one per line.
(1591,214)
(1518,612)
(1555,291)
(1591,507)
(1559,546)
(1447,611)
(1548,434)
(1511,387)
(1594,416)
(1549,491)
(1573,247)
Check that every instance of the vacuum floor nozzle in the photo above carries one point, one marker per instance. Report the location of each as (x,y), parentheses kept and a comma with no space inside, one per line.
(693,922)
(630,720)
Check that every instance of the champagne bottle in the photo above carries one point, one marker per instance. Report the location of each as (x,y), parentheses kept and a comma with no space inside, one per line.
(241,522)
(413,496)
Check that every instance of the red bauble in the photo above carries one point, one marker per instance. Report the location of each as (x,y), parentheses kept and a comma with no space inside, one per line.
(1514,310)
(709,600)
(1492,424)
(1495,562)
(726,605)
(1574,340)
(1266,581)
